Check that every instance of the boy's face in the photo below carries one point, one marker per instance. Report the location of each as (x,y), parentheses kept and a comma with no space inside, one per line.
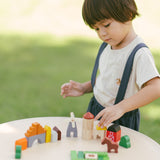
(115,33)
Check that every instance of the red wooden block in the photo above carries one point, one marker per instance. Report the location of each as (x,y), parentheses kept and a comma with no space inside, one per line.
(88,115)
(114,133)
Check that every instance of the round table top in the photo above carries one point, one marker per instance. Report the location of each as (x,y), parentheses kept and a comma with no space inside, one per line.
(142,147)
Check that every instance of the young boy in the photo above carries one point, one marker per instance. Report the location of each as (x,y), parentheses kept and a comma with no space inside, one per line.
(112,20)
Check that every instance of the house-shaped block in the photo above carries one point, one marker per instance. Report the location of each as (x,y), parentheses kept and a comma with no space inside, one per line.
(114,132)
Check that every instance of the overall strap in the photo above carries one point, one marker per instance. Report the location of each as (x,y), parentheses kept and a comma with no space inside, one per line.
(94,72)
(127,73)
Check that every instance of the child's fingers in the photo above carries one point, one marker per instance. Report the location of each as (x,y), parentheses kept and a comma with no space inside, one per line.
(105,118)
(64,89)
(71,81)
(65,85)
(99,115)
(101,122)
(73,84)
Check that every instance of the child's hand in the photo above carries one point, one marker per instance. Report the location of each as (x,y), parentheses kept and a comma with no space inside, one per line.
(108,115)
(72,89)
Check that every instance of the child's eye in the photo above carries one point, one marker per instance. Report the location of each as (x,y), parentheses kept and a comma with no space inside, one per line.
(107,25)
(97,29)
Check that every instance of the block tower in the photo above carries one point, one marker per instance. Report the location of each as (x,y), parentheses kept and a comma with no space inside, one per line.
(36,131)
(87,127)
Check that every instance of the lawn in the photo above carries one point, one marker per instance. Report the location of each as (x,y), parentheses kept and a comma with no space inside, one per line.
(34,66)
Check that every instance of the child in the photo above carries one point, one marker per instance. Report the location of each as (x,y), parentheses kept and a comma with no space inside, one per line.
(112,20)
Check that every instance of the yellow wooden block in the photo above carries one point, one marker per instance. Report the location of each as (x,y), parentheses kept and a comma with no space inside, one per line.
(99,128)
(48,133)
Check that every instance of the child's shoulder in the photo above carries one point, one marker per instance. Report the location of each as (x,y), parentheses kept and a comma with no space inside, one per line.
(142,51)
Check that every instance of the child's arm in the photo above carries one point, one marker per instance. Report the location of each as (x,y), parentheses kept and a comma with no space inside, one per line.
(75,89)
(149,93)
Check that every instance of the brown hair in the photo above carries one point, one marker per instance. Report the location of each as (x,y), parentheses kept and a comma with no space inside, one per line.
(97,10)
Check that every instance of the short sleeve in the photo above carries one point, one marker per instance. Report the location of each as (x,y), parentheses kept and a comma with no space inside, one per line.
(145,67)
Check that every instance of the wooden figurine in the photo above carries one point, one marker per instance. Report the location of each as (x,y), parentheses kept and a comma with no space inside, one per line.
(110,144)
(72,127)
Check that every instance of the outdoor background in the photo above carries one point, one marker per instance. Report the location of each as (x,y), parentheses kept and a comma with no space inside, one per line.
(45,43)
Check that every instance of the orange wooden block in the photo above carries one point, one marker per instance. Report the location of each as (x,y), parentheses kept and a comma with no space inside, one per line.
(36,126)
(33,130)
(22,142)
(41,130)
(27,134)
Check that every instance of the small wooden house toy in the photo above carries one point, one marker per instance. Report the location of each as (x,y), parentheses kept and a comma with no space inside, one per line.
(114,132)
(87,126)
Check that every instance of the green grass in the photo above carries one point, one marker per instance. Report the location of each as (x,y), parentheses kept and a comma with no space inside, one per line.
(33,68)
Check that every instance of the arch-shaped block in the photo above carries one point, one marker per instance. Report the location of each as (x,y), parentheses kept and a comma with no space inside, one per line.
(41,139)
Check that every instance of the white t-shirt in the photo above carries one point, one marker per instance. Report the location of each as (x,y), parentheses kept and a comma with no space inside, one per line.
(111,67)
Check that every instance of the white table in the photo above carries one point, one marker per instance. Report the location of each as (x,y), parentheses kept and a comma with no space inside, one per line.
(142,147)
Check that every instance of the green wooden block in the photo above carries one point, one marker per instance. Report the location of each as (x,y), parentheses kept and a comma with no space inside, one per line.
(18,155)
(18,149)
(74,155)
(125,142)
(80,155)
(101,155)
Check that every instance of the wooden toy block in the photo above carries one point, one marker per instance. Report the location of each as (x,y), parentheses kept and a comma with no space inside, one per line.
(28,133)
(18,152)
(114,132)
(87,126)
(58,132)
(22,142)
(40,130)
(125,142)
(41,139)
(88,115)
(35,129)
(48,133)
(36,125)
(72,127)
(70,130)
(99,132)
(91,156)
(74,155)
(110,144)
(101,155)
(99,128)
(80,155)
(54,136)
